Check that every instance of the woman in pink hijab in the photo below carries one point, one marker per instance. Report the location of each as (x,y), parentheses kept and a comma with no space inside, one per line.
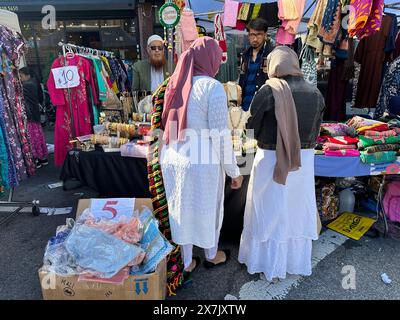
(197,153)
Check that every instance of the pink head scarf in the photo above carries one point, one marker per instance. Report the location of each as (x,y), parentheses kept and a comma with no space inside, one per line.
(203,58)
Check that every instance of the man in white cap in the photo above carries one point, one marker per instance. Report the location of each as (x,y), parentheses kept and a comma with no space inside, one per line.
(150,73)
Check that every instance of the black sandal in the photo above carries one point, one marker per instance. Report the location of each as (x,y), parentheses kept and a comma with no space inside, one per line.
(209,265)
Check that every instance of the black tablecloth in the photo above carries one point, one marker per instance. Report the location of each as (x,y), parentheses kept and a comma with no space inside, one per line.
(114,176)
(110,174)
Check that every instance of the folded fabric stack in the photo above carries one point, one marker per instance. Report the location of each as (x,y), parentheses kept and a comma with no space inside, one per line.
(379,143)
(338,140)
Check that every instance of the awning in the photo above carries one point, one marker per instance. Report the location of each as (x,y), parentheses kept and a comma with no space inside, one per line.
(70,5)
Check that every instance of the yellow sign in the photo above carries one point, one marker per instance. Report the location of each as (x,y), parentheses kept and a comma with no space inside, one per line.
(351,225)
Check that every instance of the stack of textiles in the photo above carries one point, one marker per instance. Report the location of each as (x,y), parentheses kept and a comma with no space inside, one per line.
(379,143)
(337,140)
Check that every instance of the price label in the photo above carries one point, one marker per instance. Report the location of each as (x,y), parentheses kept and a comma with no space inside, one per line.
(66,77)
(113,209)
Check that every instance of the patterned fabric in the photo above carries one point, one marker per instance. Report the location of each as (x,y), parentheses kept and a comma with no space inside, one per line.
(374,22)
(373,127)
(357,69)
(343,140)
(337,130)
(383,147)
(380,135)
(309,66)
(359,16)
(378,157)
(327,202)
(331,23)
(342,153)
(390,88)
(8,168)
(38,141)
(175,272)
(367,142)
(12,49)
(335,146)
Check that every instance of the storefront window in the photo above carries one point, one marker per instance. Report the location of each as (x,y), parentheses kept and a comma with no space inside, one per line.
(118,36)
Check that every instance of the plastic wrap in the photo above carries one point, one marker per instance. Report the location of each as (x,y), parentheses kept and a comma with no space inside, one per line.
(156,246)
(99,253)
(56,257)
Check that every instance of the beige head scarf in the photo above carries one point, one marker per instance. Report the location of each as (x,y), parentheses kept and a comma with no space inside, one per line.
(281,62)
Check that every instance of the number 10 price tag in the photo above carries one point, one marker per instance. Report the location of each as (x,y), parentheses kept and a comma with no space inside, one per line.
(66,77)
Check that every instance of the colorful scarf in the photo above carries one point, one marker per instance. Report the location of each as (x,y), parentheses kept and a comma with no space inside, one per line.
(335,146)
(368,142)
(380,135)
(175,268)
(342,153)
(330,29)
(378,157)
(383,147)
(374,22)
(343,140)
(359,16)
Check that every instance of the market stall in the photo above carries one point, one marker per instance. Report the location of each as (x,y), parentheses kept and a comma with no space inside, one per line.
(108,152)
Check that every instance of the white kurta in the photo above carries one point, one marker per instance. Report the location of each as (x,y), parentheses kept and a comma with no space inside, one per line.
(280,221)
(194,170)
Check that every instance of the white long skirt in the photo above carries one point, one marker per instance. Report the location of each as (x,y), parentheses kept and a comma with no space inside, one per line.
(280,221)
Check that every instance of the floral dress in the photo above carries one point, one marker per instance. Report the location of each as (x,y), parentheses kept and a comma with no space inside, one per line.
(13,111)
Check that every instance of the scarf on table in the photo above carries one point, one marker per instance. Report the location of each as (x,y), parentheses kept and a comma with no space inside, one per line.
(203,58)
(281,62)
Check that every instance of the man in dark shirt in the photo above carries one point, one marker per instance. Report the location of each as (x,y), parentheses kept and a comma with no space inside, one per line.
(253,69)
(32,100)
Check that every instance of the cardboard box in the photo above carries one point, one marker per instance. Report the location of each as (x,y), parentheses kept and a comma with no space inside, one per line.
(146,287)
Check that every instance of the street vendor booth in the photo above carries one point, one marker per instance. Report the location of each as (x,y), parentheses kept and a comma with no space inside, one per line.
(104,137)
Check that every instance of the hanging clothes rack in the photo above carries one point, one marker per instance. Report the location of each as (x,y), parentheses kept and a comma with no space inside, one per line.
(82,49)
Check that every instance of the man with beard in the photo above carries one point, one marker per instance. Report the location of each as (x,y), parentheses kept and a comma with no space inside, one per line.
(253,69)
(149,74)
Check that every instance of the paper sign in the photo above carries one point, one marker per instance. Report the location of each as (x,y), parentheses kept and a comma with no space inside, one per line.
(113,209)
(351,225)
(66,77)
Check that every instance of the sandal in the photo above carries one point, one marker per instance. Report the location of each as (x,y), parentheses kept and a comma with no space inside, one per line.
(187,276)
(209,265)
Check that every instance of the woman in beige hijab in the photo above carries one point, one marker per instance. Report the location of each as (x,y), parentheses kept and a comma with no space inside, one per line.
(280,217)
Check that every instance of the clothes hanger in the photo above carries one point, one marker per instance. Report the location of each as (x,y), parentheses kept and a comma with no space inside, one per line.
(70,54)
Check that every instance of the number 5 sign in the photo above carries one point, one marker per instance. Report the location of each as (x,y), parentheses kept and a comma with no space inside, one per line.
(66,77)
(113,209)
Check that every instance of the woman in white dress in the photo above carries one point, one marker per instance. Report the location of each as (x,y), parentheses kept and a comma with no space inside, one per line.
(280,220)
(197,153)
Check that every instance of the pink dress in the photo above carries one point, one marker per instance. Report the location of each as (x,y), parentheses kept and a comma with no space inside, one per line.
(80,107)
(286,34)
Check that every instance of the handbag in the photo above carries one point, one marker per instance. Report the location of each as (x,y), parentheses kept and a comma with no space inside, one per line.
(127,106)
(112,102)
(309,65)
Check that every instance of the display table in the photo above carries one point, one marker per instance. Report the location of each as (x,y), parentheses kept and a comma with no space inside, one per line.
(108,173)
(341,167)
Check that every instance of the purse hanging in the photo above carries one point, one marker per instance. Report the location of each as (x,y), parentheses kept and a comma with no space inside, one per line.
(309,65)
